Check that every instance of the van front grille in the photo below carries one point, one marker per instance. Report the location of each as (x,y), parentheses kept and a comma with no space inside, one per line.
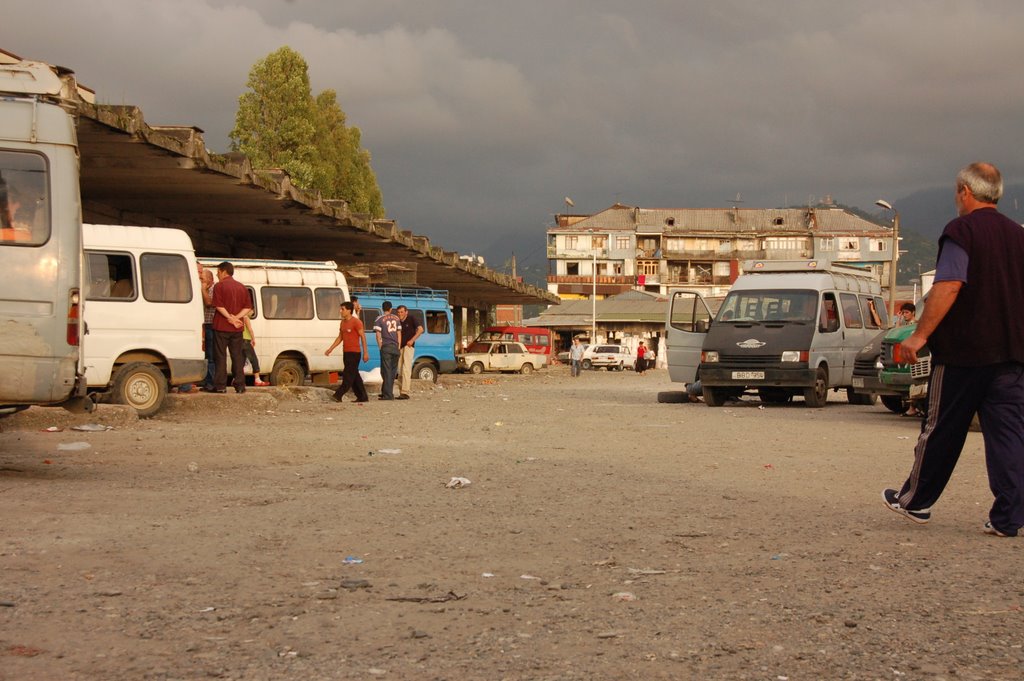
(749,360)
(865,367)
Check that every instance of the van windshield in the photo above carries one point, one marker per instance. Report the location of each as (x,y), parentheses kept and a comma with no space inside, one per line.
(797,306)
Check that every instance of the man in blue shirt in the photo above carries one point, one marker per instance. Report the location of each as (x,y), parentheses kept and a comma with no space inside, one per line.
(388,328)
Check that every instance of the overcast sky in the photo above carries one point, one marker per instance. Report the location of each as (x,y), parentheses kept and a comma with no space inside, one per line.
(482,115)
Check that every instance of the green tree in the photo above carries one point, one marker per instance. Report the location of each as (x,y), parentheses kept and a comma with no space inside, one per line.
(274,125)
(280,125)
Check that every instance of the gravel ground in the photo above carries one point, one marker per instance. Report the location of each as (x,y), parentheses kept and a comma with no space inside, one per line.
(278,535)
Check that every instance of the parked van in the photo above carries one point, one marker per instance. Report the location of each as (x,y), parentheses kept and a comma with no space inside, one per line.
(786,328)
(536,339)
(40,240)
(296,312)
(435,348)
(143,314)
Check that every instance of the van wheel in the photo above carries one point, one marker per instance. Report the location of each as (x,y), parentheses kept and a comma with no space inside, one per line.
(141,386)
(817,395)
(714,397)
(287,372)
(586,364)
(894,403)
(526,369)
(425,371)
(476,368)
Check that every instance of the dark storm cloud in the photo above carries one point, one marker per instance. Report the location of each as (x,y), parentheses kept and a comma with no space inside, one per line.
(482,116)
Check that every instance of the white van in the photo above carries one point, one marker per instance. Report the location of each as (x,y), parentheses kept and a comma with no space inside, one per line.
(786,328)
(143,314)
(295,318)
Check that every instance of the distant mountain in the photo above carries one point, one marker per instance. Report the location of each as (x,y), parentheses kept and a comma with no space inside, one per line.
(924,214)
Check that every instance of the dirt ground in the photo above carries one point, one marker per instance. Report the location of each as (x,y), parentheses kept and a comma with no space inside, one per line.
(603,536)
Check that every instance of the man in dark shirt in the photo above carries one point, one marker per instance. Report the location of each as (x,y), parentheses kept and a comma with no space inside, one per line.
(977,348)
(411,330)
(231,301)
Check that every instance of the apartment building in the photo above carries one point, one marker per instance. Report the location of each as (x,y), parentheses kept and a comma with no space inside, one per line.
(651,249)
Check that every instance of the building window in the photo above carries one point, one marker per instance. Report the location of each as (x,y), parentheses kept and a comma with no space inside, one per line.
(648,267)
(826,243)
(785,243)
(572,269)
(618,268)
(622,242)
(598,241)
(876,245)
(571,242)
(846,244)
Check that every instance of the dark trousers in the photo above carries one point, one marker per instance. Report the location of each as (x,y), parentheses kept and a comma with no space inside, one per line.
(223,342)
(350,378)
(211,366)
(955,394)
(250,355)
(388,369)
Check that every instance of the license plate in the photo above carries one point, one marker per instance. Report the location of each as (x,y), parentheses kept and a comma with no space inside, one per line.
(918,391)
(858,382)
(748,375)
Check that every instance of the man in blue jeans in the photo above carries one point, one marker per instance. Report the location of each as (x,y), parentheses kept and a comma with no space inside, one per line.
(388,328)
(977,345)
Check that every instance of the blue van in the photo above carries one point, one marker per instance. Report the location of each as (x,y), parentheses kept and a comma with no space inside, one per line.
(435,348)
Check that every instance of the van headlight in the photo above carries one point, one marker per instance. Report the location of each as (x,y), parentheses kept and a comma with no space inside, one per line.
(794,356)
(709,356)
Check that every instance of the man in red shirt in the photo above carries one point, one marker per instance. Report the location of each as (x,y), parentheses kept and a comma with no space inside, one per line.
(352,338)
(231,301)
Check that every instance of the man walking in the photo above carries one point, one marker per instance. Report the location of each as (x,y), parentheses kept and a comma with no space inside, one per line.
(388,329)
(352,339)
(411,330)
(575,358)
(977,348)
(231,302)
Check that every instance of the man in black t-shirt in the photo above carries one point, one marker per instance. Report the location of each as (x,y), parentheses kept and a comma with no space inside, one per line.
(411,330)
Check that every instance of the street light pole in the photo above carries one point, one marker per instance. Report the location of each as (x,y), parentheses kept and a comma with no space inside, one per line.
(593,295)
(895,255)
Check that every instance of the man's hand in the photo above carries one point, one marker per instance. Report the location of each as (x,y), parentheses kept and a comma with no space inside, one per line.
(366,356)
(327,352)
(911,345)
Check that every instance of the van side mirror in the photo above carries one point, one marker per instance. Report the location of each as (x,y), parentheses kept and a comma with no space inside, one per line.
(702,325)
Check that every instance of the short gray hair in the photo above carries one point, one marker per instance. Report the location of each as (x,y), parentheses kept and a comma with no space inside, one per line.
(984,181)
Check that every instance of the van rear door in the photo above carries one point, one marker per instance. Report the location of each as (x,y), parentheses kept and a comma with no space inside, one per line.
(686,327)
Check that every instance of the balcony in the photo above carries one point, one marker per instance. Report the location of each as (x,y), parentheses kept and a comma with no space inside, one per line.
(705,280)
(576,253)
(693,254)
(615,279)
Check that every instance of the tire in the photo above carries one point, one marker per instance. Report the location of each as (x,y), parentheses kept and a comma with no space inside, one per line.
(424,371)
(619,368)
(526,369)
(141,386)
(817,395)
(587,364)
(714,397)
(610,368)
(894,403)
(774,395)
(673,397)
(287,372)
(476,368)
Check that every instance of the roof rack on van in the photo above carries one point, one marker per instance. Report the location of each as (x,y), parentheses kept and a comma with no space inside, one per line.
(277,264)
(819,265)
(399,291)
